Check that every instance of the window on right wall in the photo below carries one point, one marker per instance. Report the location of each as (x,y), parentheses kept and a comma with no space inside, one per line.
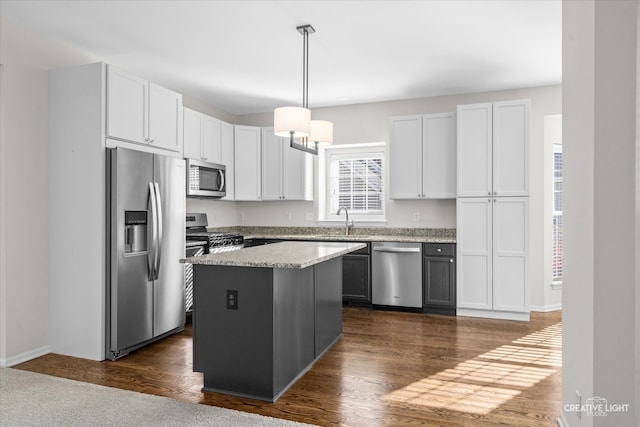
(556,261)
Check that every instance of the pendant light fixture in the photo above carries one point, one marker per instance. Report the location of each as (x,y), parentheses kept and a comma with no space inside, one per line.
(295,122)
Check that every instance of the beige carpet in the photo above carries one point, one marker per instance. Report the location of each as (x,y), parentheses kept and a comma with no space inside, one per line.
(30,399)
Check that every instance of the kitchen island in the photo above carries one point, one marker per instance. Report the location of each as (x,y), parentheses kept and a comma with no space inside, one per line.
(263,315)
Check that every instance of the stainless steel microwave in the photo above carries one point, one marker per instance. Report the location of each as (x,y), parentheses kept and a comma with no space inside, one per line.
(205,179)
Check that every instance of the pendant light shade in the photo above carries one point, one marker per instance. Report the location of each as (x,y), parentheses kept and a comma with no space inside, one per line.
(321,132)
(292,122)
(295,122)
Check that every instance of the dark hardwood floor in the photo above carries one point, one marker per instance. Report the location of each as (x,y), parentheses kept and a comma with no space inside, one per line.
(389,369)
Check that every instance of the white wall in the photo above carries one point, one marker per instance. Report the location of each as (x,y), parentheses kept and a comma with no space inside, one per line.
(599,149)
(24,260)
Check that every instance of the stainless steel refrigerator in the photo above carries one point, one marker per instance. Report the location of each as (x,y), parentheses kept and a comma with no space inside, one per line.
(145,241)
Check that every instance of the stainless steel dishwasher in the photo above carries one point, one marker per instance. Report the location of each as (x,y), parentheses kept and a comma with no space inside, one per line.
(396,277)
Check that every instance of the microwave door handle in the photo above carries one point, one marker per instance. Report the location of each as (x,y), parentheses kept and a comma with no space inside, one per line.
(221,176)
(159,227)
(151,252)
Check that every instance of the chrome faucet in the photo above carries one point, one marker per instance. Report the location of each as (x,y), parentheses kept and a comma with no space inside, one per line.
(346,221)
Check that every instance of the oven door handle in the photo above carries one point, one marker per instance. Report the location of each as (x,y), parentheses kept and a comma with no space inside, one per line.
(159,230)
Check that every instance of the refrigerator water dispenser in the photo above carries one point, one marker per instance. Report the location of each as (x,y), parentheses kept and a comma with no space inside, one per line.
(135,232)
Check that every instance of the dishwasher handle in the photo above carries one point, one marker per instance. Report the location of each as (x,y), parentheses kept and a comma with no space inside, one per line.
(394,249)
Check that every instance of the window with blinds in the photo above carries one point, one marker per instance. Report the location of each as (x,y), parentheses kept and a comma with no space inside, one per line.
(556,263)
(355,180)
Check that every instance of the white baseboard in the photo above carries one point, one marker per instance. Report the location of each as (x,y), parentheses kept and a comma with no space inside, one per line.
(492,314)
(546,308)
(23,357)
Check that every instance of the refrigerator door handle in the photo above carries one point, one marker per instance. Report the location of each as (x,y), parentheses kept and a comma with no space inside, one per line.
(159,230)
(152,250)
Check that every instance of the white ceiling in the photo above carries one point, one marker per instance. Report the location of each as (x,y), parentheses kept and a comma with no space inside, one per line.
(246,56)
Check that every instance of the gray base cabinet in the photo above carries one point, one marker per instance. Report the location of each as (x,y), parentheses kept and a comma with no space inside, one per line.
(356,276)
(257,330)
(439,278)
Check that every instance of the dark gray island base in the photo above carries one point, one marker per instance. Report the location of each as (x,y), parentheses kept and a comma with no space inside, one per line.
(261,324)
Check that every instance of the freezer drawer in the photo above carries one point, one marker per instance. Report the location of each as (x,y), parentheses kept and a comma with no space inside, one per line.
(396,278)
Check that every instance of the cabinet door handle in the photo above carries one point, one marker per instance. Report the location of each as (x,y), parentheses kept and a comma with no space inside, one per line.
(451,260)
(394,249)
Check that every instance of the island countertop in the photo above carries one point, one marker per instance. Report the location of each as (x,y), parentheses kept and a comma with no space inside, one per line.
(279,255)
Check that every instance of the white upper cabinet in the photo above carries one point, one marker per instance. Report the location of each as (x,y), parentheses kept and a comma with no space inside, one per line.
(423,156)
(439,156)
(141,112)
(202,137)
(474,150)
(286,172)
(405,157)
(493,149)
(212,140)
(511,148)
(228,158)
(248,163)
(297,180)
(192,134)
(126,106)
(165,111)
(272,165)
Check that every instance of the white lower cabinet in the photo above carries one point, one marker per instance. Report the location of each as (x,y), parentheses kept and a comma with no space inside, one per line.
(248,163)
(493,257)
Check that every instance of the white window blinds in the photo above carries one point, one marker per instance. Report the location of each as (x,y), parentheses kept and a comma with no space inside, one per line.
(356,182)
(556,263)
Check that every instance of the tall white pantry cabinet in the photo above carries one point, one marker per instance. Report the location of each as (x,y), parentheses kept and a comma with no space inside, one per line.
(493,210)
(91,107)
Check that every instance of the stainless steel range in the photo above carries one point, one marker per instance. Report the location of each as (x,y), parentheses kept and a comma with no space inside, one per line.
(199,241)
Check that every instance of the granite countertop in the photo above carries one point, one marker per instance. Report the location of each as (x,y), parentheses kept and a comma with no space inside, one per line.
(356,234)
(279,255)
(355,238)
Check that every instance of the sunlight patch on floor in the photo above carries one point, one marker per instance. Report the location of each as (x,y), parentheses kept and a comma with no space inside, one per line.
(482,384)
(520,354)
(551,336)
(457,396)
